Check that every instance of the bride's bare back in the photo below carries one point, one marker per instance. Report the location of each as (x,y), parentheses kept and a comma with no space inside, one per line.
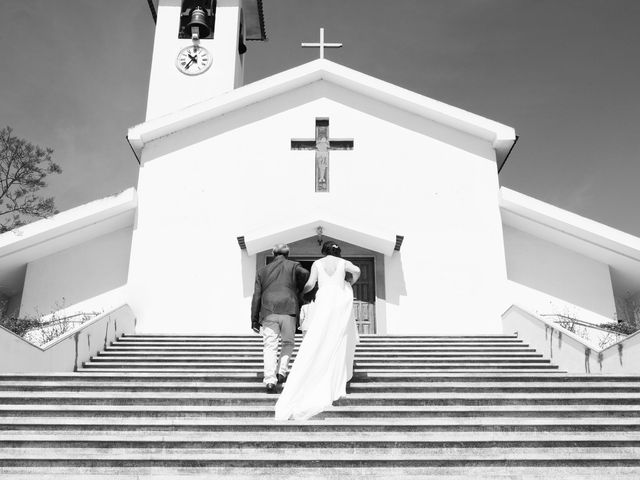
(329,265)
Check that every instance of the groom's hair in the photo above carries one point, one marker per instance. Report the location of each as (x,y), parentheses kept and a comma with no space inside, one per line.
(281,249)
(331,248)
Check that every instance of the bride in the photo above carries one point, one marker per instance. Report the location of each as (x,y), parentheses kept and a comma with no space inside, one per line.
(324,363)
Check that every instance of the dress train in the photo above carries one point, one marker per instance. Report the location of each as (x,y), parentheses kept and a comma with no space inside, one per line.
(324,363)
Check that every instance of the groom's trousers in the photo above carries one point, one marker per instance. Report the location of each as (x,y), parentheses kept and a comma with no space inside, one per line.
(274,326)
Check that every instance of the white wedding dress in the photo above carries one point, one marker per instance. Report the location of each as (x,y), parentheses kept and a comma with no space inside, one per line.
(324,362)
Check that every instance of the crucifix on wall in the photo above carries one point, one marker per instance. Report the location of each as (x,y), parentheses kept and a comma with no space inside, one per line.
(321,145)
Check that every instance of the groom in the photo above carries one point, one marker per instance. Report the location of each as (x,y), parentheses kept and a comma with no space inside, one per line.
(274,312)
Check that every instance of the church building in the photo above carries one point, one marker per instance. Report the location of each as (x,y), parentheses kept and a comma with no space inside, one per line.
(407,185)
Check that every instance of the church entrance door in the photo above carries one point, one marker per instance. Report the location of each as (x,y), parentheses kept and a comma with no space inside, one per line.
(364,294)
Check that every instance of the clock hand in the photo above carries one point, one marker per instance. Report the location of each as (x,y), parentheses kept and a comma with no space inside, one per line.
(193,59)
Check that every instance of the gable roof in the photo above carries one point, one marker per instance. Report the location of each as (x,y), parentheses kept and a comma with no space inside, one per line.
(501,137)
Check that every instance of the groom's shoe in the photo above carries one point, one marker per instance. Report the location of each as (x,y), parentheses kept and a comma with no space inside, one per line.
(271,388)
(281,378)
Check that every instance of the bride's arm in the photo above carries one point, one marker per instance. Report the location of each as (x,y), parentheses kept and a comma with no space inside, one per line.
(313,278)
(353,270)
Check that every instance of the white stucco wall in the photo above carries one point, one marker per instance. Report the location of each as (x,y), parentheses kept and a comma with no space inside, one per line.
(89,277)
(202,187)
(545,278)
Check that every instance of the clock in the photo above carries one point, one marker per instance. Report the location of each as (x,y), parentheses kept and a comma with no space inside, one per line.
(193,60)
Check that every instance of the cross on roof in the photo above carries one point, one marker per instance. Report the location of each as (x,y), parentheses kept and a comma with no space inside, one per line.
(321,44)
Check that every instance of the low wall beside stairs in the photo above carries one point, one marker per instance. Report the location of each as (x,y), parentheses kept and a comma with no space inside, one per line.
(567,350)
(64,354)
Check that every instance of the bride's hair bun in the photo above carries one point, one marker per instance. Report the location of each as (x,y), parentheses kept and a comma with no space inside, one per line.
(331,248)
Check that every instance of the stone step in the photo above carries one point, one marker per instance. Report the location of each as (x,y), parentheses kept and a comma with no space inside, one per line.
(152,347)
(362,342)
(364,338)
(534,470)
(359,365)
(200,378)
(504,387)
(99,376)
(212,442)
(380,344)
(292,457)
(386,359)
(355,387)
(253,371)
(544,375)
(263,398)
(436,424)
(322,437)
(258,355)
(340,411)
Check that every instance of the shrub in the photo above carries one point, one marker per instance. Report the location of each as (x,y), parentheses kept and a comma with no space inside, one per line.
(620,328)
(40,332)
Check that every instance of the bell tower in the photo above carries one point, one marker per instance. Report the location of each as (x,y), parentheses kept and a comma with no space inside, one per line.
(199,49)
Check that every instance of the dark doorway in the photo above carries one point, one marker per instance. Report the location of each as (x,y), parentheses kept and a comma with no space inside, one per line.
(364,291)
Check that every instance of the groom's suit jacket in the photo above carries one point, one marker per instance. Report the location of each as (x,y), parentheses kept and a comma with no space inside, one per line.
(278,288)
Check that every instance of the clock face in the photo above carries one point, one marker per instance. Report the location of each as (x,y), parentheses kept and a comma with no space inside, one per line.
(193,60)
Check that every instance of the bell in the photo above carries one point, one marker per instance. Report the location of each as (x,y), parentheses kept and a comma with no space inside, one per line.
(198,23)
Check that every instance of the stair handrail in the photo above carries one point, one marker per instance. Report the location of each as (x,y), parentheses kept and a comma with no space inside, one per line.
(66,352)
(567,350)
(582,323)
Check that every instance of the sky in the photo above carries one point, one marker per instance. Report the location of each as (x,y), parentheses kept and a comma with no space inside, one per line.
(565,74)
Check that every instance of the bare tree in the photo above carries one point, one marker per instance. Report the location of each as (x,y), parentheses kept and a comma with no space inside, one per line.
(23,168)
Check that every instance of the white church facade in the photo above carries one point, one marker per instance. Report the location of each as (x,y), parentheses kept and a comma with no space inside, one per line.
(408,185)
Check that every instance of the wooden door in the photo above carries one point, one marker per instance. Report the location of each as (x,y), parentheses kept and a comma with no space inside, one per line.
(364,296)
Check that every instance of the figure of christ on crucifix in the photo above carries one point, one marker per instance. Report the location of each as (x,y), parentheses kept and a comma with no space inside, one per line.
(321,145)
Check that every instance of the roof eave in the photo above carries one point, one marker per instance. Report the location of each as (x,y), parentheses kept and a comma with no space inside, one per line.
(254,20)
(305,224)
(570,224)
(99,216)
(500,136)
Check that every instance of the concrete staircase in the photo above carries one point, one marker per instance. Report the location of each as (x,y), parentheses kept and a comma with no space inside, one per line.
(482,406)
